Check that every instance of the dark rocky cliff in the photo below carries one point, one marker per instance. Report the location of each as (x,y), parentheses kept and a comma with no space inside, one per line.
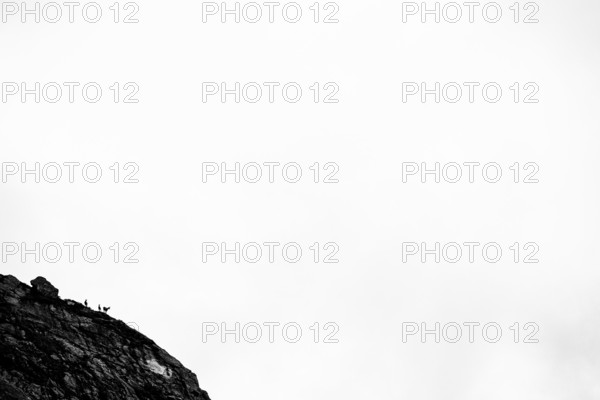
(61,350)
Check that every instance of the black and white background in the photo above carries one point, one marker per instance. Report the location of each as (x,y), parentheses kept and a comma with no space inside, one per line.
(361,134)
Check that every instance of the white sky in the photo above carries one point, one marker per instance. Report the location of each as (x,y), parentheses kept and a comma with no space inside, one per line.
(369,214)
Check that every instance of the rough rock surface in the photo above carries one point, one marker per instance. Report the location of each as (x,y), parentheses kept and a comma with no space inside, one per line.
(41,285)
(54,349)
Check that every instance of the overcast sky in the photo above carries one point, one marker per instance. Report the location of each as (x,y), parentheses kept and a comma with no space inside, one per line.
(364,141)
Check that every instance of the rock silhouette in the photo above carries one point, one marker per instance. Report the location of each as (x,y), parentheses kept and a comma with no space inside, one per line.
(45,288)
(59,349)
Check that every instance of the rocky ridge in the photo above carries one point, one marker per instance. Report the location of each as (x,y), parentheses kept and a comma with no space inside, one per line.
(54,349)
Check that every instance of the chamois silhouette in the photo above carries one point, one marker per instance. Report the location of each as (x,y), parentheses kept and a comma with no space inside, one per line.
(85,302)
(99,309)
(106,309)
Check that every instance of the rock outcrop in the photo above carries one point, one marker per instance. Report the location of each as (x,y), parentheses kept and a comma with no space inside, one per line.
(42,286)
(53,349)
